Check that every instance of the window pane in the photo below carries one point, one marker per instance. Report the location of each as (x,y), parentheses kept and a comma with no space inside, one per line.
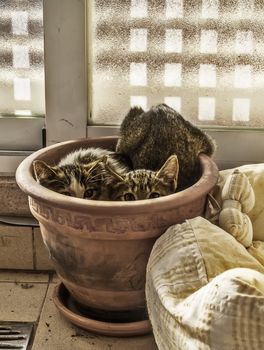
(174,8)
(173,40)
(205,58)
(21,58)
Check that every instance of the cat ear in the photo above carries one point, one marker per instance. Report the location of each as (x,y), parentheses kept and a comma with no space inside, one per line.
(94,165)
(135,111)
(43,170)
(170,170)
(111,175)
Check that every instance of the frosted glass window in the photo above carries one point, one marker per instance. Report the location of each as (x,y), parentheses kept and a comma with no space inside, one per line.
(241,109)
(140,101)
(22,90)
(19,20)
(210,9)
(20,56)
(173,40)
(245,9)
(23,112)
(208,43)
(207,75)
(206,108)
(173,102)
(244,42)
(197,55)
(139,8)
(174,8)
(138,40)
(243,77)
(138,74)
(172,74)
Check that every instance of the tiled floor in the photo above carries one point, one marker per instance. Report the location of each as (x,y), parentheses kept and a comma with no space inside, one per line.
(28,297)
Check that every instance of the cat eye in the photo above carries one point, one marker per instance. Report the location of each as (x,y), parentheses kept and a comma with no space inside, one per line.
(154,195)
(88,193)
(129,197)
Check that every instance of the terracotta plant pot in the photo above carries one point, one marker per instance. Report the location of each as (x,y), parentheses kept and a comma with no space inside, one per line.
(100,249)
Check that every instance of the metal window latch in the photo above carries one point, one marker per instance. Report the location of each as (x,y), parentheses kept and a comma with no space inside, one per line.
(44,136)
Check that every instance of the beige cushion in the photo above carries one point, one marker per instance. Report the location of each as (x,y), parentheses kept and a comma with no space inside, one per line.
(189,307)
(237,224)
(237,199)
(255,175)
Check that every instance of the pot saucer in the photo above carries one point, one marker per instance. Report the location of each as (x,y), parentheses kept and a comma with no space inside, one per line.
(98,321)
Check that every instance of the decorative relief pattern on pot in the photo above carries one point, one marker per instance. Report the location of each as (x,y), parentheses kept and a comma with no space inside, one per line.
(117,225)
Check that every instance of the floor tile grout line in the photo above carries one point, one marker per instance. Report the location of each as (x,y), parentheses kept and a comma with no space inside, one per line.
(23,282)
(40,312)
(34,257)
(26,271)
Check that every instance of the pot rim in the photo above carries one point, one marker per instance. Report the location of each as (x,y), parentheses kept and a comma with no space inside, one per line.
(32,188)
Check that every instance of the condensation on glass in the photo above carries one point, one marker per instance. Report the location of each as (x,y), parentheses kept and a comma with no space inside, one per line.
(204,58)
(21,58)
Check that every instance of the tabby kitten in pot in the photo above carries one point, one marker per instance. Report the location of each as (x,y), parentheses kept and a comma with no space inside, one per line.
(141,184)
(80,173)
(102,175)
(149,138)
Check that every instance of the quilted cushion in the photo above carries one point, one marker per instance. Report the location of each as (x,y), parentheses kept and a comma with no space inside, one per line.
(238,199)
(255,175)
(204,290)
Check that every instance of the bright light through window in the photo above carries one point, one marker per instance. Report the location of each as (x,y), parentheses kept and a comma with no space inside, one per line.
(173,102)
(244,42)
(138,74)
(174,8)
(243,77)
(140,101)
(23,112)
(19,22)
(203,57)
(173,40)
(172,74)
(208,43)
(22,90)
(206,108)
(241,109)
(139,8)
(245,9)
(207,75)
(138,40)
(210,9)
(20,56)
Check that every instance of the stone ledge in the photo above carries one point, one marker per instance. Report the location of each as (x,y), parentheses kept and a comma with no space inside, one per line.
(12,200)
(22,247)
(16,250)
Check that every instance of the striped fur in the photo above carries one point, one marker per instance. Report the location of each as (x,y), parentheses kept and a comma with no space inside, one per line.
(102,175)
(143,184)
(79,174)
(149,138)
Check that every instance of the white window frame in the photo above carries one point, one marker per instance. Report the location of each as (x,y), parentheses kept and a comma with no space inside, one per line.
(67,87)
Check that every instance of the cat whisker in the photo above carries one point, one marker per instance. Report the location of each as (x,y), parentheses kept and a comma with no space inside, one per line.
(94,181)
(98,176)
(77,169)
